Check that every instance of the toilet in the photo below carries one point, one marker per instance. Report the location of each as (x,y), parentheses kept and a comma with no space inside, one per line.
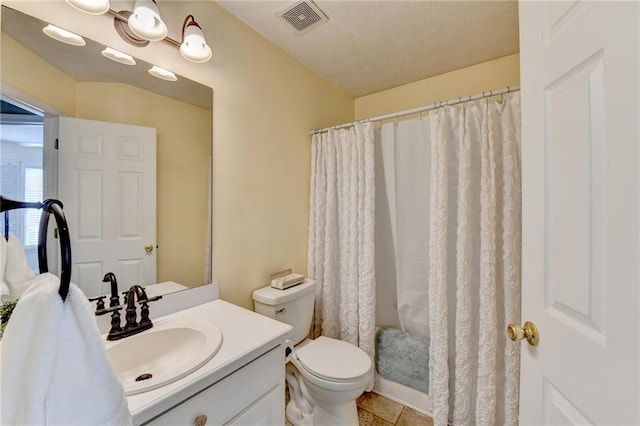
(325,376)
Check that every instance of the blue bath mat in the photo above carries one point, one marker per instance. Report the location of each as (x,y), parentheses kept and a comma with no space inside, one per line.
(403,358)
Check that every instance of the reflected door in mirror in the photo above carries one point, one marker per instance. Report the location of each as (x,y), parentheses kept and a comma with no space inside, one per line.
(107,182)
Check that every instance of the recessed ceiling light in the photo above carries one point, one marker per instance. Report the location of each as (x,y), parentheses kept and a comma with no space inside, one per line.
(156,71)
(63,35)
(116,55)
(92,7)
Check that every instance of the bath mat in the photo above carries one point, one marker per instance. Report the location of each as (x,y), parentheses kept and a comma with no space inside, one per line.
(403,358)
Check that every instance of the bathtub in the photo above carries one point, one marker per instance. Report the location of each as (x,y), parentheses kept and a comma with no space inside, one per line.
(402,394)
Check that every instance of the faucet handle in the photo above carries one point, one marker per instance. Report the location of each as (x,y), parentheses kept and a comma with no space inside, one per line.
(104,310)
(99,303)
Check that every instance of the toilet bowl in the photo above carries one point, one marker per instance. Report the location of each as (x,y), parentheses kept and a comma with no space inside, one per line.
(325,375)
(330,375)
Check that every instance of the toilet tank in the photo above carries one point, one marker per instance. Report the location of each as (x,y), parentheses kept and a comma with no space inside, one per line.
(293,306)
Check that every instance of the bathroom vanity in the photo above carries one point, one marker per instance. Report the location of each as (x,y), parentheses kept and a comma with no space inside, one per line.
(243,383)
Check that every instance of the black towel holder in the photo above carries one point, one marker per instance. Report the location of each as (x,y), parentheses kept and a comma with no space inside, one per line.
(48,207)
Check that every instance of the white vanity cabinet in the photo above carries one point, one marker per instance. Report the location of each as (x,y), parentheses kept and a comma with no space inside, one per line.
(253,395)
(243,384)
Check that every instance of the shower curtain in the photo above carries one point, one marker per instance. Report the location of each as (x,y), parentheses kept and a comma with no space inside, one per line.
(450,195)
(341,235)
(402,220)
(475,261)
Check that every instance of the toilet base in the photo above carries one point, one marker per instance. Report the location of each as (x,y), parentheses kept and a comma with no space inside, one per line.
(296,417)
(336,415)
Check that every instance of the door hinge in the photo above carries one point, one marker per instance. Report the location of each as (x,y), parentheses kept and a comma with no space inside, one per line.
(56,145)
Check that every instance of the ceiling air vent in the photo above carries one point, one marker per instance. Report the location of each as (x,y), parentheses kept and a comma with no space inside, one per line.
(303,16)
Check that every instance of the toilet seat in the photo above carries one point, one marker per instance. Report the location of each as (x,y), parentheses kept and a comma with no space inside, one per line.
(333,360)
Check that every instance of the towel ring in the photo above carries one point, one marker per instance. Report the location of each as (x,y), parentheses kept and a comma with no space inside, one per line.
(48,206)
(55,206)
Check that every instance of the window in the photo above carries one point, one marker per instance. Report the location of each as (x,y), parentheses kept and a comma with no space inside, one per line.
(32,192)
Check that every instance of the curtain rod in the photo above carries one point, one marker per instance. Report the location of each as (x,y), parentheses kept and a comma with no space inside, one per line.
(450,102)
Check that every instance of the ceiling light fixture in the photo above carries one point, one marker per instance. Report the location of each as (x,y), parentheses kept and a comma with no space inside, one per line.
(92,7)
(163,74)
(144,24)
(118,56)
(64,36)
(194,47)
(145,21)
(121,24)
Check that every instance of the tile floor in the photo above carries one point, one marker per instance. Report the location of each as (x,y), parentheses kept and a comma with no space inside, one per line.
(376,410)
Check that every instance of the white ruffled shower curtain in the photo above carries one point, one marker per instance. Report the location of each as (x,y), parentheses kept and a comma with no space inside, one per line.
(341,255)
(448,224)
(474,262)
(452,183)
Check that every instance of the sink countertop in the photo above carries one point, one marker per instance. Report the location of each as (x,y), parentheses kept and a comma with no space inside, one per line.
(245,336)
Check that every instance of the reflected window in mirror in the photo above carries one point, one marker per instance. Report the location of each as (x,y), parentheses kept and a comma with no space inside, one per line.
(21,144)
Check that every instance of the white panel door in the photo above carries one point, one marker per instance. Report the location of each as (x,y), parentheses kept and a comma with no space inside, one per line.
(107,183)
(580,157)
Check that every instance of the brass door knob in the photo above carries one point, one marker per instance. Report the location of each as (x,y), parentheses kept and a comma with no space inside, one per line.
(148,248)
(529,332)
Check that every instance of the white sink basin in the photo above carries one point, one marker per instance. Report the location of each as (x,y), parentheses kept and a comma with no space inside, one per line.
(163,354)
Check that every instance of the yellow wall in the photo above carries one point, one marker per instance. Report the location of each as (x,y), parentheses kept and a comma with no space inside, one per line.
(183,149)
(29,74)
(494,74)
(265,103)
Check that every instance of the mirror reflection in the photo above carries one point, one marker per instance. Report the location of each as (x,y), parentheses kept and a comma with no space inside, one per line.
(76,99)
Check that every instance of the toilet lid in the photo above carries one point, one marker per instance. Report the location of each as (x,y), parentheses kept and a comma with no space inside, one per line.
(333,359)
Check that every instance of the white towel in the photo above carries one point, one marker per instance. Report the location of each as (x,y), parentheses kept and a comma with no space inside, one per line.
(55,369)
(5,293)
(17,271)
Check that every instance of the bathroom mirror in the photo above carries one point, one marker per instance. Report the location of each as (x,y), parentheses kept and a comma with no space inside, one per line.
(39,69)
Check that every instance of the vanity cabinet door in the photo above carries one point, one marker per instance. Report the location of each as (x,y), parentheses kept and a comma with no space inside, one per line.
(267,411)
(253,387)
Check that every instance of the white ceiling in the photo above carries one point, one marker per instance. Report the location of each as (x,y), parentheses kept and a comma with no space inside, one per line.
(369,46)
